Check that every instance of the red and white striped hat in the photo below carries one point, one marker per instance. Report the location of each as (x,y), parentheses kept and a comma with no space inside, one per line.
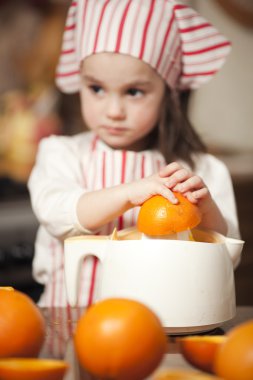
(183,47)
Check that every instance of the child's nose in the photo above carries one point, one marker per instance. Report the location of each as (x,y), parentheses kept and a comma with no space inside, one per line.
(115,108)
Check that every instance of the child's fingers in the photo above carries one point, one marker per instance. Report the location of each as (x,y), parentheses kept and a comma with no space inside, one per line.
(190,197)
(195,196)
(180,175)
(191,183)
(168,194)
(201,193)
(169,169)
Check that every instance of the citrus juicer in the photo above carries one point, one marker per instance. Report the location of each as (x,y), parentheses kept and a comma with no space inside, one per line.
(188,283)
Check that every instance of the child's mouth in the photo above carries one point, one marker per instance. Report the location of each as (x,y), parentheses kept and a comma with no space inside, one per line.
(115,130)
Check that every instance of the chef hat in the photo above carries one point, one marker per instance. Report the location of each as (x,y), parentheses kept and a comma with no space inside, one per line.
(183,47)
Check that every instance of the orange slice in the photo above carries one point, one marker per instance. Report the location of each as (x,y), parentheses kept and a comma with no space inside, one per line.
(200,350)
(32,369)
(178,374)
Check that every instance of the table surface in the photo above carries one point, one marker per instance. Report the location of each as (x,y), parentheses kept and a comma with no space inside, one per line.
(61,323)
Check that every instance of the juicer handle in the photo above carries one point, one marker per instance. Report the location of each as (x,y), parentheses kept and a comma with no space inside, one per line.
(75,251)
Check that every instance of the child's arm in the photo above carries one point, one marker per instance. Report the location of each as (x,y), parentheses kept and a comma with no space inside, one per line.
(97,208)
(193,187)
(61,203)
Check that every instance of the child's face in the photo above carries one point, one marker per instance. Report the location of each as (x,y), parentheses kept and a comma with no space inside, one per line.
(121,99)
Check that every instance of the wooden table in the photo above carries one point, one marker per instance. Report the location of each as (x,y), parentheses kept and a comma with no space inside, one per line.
(61,323)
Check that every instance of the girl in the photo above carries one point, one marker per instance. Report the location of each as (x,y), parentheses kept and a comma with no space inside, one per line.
(129,60)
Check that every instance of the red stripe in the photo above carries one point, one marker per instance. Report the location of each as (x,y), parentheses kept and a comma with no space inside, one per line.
(69,74)
(196,27)
(74,4)
(165,40)
(99,25)
(176,7)
(121,27)
(210,48)
(143,167)
(69,51)
(144,36)
(70,27)
(204,73)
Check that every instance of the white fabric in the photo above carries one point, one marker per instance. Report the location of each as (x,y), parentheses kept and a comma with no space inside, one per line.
(68,166)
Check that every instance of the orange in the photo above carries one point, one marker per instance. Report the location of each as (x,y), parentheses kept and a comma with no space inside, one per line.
(158,216)
(119,339)
(200,350)
(22,326)
(234,358)
(32,369)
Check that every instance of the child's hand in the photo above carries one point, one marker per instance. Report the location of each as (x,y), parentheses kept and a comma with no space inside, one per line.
(184,181)
(193,187)
(140,191)
(173,177)
(190,185)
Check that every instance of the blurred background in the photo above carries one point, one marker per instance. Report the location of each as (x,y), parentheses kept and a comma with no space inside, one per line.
(31,108)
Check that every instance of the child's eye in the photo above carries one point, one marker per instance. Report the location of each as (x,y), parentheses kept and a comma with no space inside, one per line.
(96,89)
(134,92)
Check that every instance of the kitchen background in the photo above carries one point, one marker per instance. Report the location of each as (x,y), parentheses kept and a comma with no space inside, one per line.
(31,108)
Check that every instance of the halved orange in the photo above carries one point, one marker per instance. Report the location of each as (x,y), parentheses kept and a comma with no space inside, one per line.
(158,216)
(32,369)
(200,350)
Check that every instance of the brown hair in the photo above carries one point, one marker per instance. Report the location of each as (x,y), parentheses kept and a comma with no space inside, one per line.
(176,137)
